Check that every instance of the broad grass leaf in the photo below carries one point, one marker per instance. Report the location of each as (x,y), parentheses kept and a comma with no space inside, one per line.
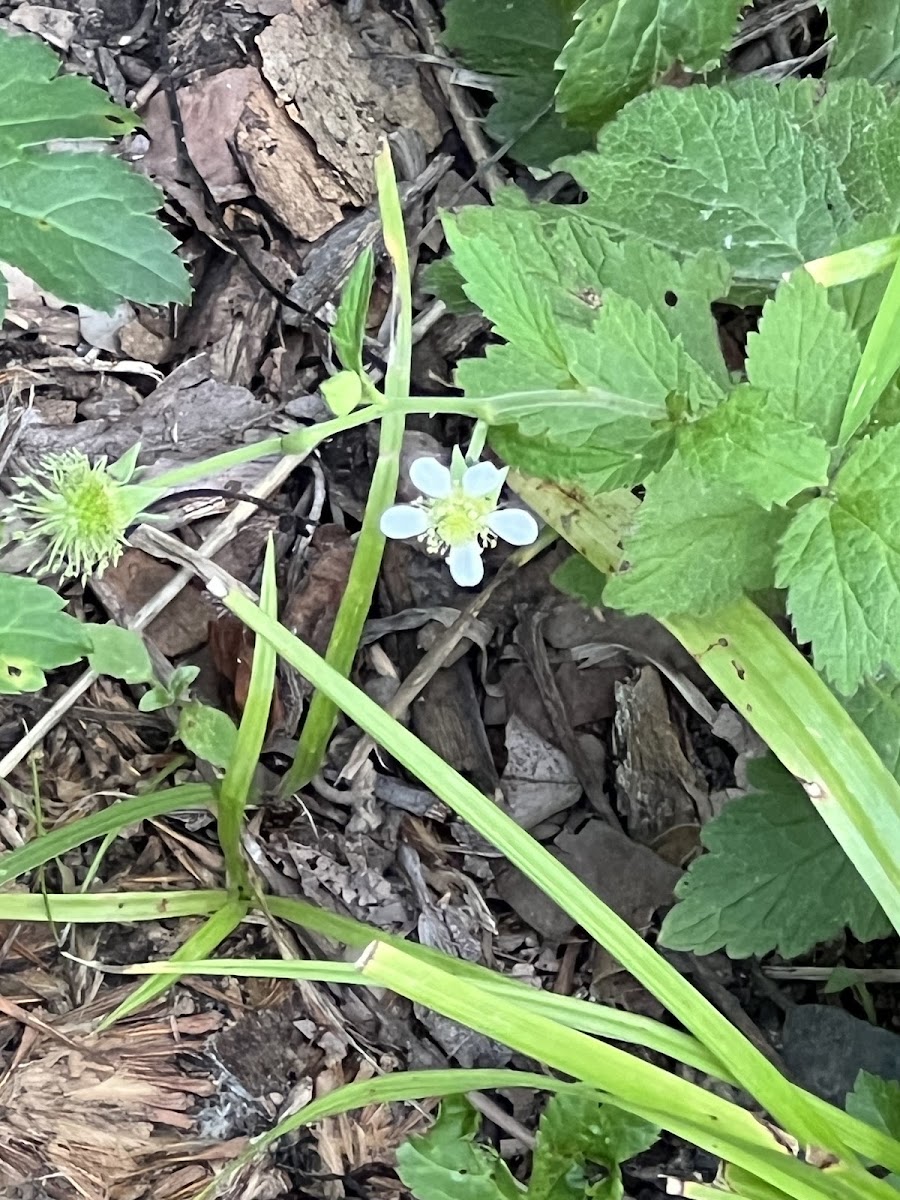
(805,355)
(35,634)
(622,47)
(840,561)
(764,851)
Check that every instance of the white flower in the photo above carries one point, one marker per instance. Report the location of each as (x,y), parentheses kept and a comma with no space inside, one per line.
(457,514)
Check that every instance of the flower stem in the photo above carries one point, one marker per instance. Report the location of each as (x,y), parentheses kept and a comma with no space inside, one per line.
(357,598)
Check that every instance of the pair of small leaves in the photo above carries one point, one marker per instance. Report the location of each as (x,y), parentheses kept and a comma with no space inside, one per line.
(82,225)
(578,1138)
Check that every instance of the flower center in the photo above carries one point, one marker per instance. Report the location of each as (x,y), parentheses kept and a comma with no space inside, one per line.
(458,518)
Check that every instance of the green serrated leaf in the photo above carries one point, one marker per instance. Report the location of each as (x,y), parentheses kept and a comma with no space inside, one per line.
(697,546)
(875,708)
(877,1102)
(733,172)
(749,442)
(805,355)
(82,226)
(119,653)
(860,127)
(840,561)
(207,732)
(38,104)
(867,37)
(576,1130)
(521,48)
(622,47)
(349,329)
(441,278)
(525,115)
(763,851)
(35,635)
(448,1164)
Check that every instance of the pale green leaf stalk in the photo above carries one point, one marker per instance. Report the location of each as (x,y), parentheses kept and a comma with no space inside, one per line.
(788,1105)
(716,1125)
(235,788)
(357,598)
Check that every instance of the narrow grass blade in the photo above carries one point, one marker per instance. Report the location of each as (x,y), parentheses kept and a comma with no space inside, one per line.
(234,789)
(879,364)
(357,598)
(739,1056)
(201,943)
(95,908)
(401,1085)
(688,1111)
(848,266)
(117,816)
(770,682)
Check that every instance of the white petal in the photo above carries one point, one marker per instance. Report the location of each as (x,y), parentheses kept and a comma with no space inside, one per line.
(430,477)
(514,525)
(465,564)
(483,479)
(404,521)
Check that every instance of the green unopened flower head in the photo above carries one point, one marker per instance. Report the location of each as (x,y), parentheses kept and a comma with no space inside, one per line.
(79,511)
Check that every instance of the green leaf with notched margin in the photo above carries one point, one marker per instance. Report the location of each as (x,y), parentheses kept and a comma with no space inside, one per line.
(519,46)
(749,442)
(35,635)
(446,1163)
(859,126)
(735,172)
(764,851)
(82,226)
(805,355)
(697,546)
(578,1134)
(622,47)
(875,708)
(37,104)
(840,561)
(867,40)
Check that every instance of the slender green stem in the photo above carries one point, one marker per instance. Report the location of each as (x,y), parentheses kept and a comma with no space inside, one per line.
(357,598)
(191,472)
(235,788)
(751,1068)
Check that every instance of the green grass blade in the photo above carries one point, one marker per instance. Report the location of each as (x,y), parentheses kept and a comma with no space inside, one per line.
(234,790)
(770,682)
(200,944)
(357,598)
(117,816)
(386,1089)
(879,364)
(848,266)
(597,1019)
(738,1055)
(688,1111)
(94,908)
